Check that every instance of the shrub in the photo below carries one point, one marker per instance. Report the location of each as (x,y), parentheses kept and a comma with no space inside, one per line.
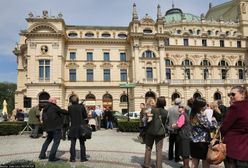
(11,128)
(128,126)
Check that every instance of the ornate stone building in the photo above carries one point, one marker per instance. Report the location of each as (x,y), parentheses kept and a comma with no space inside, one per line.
(176,55)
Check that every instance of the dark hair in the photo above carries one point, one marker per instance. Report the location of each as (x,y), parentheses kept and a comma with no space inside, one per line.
(142,104)
(74,99)
(241,90)
(190,102)
(197,106)
(161,102)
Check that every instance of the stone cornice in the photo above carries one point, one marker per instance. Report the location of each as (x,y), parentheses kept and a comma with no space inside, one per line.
(45,84)
(98,41)
(200,48)
(42,34)
(72,27)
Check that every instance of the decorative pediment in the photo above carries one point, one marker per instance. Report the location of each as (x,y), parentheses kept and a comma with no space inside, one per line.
(106,65)
(147,20)
(72,65)
(122,65)
(42,28)
(90,65)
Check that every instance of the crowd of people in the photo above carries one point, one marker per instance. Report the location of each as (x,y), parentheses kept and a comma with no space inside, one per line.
(191,128)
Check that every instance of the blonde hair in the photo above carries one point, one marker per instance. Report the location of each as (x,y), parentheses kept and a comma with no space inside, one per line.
(151,102)
(214,106)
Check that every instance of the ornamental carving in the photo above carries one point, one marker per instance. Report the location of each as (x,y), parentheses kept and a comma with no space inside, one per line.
(72,65)
(216,57)
(55,45)
(123,65)
(33,45)
(231,57)
(106,65)
(90,65)
(243,8)
(147,20)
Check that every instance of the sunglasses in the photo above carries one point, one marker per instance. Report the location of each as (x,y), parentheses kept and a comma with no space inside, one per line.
(231,94)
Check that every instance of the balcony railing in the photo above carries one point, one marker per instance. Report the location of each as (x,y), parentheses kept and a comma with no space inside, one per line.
(202,81)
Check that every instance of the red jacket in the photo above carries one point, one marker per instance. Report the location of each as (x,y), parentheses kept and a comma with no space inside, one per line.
(235,131)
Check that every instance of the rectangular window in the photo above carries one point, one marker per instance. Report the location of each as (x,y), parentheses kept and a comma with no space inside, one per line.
(204,42)
(241,74)
(106,56)
(123,73)
(89,56)
(72,55)
(106,75)
(168,73)
(90,75)
(205,73)
(222,43)
(44,69)
(238,44)
(72,75)
(149,73)
(187,73)
(123,57)
(167,42)
(186,42)
(223,73)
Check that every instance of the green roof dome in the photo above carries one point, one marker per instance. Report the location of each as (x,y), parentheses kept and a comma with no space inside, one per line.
(177,15)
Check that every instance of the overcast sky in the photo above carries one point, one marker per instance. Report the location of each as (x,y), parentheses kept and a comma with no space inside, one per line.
(77,12)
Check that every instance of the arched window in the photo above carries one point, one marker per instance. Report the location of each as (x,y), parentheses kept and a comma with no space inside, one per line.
(107,101)
(123,98)
(90,97)
(174,96)
(179,31)
(196,95)
(148,54)
(150,94)
(217,96)
(187,63)
(205,63)
(241,69)
(223,64)
(209,32)
(43,98)
(198,32)
(168,62)
(217,33)
(190,31)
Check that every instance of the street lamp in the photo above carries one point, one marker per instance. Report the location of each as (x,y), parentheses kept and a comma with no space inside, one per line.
(127,85)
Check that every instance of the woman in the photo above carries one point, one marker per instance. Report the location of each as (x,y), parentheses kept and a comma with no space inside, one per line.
(200,133)
(155,130)
(77,118)
(235,129)
(184,132)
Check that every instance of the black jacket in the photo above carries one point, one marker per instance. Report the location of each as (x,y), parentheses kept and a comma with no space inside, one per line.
(52,117)
(77,118)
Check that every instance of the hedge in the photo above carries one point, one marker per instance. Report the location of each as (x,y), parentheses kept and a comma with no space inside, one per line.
(11,128)
(128,126)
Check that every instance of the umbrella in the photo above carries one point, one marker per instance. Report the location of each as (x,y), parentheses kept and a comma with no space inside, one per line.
(5,110)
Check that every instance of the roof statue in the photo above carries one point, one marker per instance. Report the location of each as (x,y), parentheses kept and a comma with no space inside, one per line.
(159,14)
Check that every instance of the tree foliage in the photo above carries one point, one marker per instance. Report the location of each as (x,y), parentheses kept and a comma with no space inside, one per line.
(7,92)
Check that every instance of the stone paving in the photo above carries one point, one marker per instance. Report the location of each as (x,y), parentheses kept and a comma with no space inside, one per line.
(106,149)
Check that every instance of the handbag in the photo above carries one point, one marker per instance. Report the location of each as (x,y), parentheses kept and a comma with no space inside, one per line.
(86,131)
(216,150)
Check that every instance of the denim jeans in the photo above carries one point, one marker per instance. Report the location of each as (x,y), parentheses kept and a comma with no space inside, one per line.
(55,136)
(109,124)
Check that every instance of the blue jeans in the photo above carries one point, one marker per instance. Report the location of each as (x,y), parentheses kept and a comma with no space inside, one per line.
(55,136)
(109,124)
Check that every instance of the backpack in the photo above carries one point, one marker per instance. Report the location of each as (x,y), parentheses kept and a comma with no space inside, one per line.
(156,126)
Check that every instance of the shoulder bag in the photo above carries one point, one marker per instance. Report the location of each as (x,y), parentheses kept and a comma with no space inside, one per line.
(86,131)
(216,150)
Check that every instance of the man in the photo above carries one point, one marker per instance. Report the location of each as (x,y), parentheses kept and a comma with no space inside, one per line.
(34,121)
(172,119)
(53,121)
(98,112)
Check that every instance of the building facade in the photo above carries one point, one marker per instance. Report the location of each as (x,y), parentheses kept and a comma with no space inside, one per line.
(176,55)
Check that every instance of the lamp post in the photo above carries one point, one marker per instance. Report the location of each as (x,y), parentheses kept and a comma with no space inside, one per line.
(127,85)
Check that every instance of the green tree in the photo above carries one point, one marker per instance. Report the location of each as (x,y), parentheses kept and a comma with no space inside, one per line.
(7,92)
